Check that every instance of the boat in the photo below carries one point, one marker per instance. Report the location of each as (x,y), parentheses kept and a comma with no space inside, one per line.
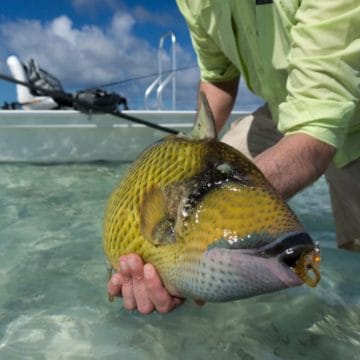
(63,136)
(39,132)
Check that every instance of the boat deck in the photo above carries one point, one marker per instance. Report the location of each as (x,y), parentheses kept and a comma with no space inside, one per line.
(61,136)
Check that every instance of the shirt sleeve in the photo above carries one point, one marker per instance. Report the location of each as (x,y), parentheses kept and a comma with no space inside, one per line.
(323,83)
(213,64)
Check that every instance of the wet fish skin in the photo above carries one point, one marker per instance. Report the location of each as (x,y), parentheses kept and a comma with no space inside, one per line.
(201,213)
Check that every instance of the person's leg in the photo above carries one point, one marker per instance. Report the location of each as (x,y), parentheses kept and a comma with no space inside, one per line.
(344,187)
(253,134)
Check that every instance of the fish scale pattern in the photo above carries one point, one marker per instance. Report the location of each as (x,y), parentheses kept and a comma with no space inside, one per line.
(162,164)
(245,204)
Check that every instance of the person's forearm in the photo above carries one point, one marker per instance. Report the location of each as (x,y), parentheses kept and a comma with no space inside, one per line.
(290,165)
(221,98)
(294,162)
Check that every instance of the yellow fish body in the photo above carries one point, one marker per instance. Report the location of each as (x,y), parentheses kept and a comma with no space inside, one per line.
(208,220)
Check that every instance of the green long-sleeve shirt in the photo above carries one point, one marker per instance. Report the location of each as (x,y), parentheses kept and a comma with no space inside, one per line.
(301,56)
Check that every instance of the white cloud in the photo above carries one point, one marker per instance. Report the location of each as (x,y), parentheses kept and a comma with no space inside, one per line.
(163,17)
(86,56)
(62,27)
(89,56)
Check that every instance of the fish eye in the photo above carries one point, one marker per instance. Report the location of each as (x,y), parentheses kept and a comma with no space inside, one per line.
(224,168)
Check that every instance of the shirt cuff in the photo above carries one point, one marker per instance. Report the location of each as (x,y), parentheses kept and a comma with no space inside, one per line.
(219,74)
(325,120)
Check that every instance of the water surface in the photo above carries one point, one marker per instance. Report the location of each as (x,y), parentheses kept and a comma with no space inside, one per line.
(53,302)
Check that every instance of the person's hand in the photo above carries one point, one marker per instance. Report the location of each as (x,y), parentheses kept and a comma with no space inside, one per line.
(141,288)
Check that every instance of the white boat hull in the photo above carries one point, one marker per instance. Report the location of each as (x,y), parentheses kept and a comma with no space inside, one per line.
(62,136)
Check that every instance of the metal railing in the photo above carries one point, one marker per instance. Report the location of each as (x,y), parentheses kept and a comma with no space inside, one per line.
(161,82)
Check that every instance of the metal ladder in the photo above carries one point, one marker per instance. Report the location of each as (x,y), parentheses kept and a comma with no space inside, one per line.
(159,83)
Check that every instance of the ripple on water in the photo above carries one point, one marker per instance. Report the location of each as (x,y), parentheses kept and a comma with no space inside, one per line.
(53,301)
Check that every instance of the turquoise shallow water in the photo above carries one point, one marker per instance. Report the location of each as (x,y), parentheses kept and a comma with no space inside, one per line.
(53,302)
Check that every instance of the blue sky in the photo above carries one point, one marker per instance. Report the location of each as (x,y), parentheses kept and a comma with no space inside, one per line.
(87,43)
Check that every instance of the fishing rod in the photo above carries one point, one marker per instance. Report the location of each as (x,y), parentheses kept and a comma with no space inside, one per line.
(69,98)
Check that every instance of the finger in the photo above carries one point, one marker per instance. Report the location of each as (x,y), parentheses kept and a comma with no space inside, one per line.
(143,302)
(159,296)
(127,285)
(115,284)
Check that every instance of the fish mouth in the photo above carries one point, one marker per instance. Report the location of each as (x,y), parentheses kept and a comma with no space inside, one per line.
(229,273)
(299,256)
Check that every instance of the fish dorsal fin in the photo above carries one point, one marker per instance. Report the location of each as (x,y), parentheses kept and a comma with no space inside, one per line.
(204,127)
(157,226)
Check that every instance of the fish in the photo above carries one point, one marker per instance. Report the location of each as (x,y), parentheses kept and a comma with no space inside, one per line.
(208,220)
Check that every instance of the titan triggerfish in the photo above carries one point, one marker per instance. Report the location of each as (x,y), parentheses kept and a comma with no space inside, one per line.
(206,217)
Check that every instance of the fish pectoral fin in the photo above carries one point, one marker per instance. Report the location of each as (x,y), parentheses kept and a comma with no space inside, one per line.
(157,226)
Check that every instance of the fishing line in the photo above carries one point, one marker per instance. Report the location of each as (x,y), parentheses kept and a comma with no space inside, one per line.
(120,82)
(61,95)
